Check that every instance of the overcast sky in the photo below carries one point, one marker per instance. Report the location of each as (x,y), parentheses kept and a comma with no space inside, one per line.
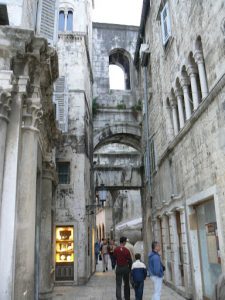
(118,11)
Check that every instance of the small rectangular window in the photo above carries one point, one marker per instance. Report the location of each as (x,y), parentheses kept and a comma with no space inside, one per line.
(165,23)
(63,169)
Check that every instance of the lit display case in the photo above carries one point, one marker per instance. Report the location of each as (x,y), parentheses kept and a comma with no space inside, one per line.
(64,256)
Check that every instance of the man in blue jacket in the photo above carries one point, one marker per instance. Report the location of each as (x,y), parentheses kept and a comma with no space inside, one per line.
(155,268)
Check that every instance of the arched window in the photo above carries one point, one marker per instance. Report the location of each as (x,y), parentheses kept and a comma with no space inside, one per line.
(119,58)
(69,26)
(116,78)
(61,20)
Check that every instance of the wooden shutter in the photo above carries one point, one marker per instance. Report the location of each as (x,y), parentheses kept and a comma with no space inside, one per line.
(47,20)
(165,23)
(61,100)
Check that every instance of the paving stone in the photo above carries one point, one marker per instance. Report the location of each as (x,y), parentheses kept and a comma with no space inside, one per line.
(102,286)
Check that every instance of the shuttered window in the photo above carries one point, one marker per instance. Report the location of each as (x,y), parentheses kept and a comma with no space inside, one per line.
(61,101)
(47,20)
(165,23)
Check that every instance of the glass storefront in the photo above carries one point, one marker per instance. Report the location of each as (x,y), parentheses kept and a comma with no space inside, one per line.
(64,256)
(209,247)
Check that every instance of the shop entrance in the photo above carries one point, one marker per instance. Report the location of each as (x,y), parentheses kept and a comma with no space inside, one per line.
(209,247)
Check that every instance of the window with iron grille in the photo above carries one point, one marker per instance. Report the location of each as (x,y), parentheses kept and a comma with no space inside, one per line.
(63,169)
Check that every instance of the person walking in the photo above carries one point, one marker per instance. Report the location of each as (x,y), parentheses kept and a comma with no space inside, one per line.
(156,270)
(138,273)
(97,251)
(123,265)
(112,247)
(105,255)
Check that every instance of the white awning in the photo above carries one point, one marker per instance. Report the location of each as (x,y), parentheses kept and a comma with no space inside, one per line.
(130,224)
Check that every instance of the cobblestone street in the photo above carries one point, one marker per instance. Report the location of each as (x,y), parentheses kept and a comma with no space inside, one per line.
(102,287)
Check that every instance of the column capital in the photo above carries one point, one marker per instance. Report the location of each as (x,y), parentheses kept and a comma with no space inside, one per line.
(169,213)
(192,70)
(180,209)
(178,92)
(5,105)
(49,171)
(198,56)
(184,81)
(173,101)
(32,114)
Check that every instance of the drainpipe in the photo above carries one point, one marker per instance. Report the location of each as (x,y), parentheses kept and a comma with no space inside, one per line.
(147,131)
(147,142)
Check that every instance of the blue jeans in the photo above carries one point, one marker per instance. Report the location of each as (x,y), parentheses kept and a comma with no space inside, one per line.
(139,287)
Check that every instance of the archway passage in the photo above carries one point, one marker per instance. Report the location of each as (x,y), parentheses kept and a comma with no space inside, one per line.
(126,134)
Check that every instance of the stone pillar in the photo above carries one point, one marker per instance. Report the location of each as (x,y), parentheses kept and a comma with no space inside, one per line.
(192,72)
(5,107)
(9,191)
(175,257)
(179,95)
(46,261)
(26,207)
(185,82)
(202,73)
(186,262)
(175,117)
(65,23)
(166,248)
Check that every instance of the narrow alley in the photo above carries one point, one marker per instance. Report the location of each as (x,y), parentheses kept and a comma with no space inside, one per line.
(102,286)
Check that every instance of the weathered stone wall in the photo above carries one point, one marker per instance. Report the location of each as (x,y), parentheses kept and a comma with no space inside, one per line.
(191,162)
(76,145)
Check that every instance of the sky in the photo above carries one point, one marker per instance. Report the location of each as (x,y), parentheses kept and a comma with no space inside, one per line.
(118,11)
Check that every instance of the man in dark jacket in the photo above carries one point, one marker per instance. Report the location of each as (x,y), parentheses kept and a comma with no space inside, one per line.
(139,273)
(123,265)
(155,268)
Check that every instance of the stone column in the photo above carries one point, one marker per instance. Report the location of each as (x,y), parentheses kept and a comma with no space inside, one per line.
(166,249)
(202,73)
(192,72)
(46,260)
(5,107)
(175,257)
(26,207)
(186,262)
(185,82)
(179,95)
(65,23)
(175,117)
(9,191)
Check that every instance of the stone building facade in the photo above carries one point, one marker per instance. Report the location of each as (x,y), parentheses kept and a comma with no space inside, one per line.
(180,57)
(28,135)
(73,97)
(46,234)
